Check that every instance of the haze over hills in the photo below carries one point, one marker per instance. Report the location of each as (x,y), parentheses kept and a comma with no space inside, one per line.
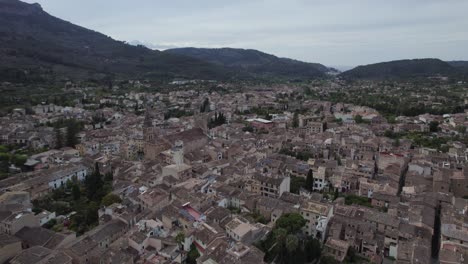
(256,62)
(403,69)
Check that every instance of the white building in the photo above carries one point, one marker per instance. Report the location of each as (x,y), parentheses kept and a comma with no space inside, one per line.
(317,215)
(320,180)
(60,177)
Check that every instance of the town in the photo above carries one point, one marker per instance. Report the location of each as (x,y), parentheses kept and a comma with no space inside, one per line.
(209,172)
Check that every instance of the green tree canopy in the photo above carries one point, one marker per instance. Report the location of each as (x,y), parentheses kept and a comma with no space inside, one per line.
(291,222)
(193,255)
(295,122)
(110,198)
(94,185)
(180,237)
(292,243)
(358,119)
(434,126)
(19,160)
(76,192)
(310,181)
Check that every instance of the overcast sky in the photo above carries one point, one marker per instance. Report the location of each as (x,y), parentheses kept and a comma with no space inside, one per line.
(332,32)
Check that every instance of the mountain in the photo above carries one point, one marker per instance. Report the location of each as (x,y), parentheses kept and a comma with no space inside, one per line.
(256,62)
(460,65)
(401,69)
(151,45)
(36,46)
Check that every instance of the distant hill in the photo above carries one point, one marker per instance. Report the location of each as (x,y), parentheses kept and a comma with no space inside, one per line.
(256,62)
(36,46)
(401,69)
(460,65)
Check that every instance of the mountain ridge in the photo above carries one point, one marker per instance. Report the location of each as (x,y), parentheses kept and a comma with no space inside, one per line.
(35,45)
(255,61)
(408,68)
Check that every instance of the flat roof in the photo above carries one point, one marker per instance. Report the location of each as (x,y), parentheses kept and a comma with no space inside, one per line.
(261,120)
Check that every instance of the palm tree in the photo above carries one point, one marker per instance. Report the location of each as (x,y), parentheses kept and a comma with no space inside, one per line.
(180,237)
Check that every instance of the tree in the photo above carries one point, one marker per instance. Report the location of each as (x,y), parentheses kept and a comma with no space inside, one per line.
(110,198)
(205,107)
(338,160)
(296,184)
(50,223)
(295,122)
(19,160)
(328,260)
(358,119)
(94,184)
(336,194)
(96,169)
(284,243)
(109,177)
(3,149)
(248,128)
(72,126)
(312,249)
(72,131)
(350,256)
(76,192)
(137,107)
(218,120)
(461,129)
(180,238)
(434,126)
(291,222)
(58,138)
(310,181)
(291,243)
(69,184)
(5,156)
(58,193)
(280,235)
(391,119)
(92,213)
(192,255)
(355,199)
